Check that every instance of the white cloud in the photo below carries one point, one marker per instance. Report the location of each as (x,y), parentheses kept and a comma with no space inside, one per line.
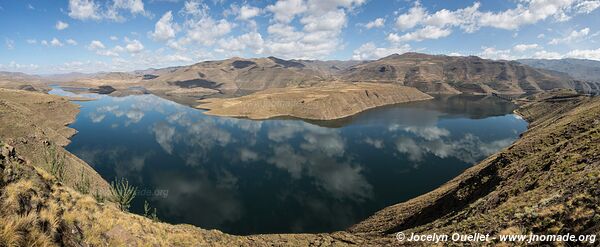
(547,55)
(96,45)
(92,10)
(247,12)
(371,51)
(414,16)
(525,47)
(319,35)
(201,27)
(134,46)
(285,10)
(113,38)
(71,42)
(587,6)
(84,9)
(471,18)
(428,32)
(493,53)
(56,42)
(61,25)
(587,54)
(377,23)
(530,13)
(134,6)
(165,29)
(31,41)
(252,40)
(14,66)
(573,36)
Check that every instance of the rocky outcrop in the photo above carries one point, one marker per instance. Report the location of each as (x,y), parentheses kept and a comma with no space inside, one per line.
(316,103)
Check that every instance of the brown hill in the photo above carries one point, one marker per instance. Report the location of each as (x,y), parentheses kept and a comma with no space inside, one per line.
(453,74)
(317,103)
(240,74)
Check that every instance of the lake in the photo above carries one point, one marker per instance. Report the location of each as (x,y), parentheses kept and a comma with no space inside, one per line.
(285,175)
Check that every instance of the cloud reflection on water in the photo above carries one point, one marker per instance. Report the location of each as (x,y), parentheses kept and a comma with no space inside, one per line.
(210,165)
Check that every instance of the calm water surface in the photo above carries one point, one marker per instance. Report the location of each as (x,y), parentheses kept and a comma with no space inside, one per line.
(244,176)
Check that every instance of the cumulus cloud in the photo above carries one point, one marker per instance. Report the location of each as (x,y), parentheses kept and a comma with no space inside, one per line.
(286,10)
(71,42)
(95,45)
(247,12)
(525,47)
(201,27)
(93,10)
(321,26)
(587,6)
(252,40)
(493,53)
(410,19)
(471,18)
(61,25)
(587,54)
(133,46)
(546,55)
(84,9)
(377,23)
(164,29)
(428,32)
(369,51)
(572,36)
(56,42)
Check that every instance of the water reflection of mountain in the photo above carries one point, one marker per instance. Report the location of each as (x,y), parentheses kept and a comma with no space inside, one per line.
(470,106)
(244,176)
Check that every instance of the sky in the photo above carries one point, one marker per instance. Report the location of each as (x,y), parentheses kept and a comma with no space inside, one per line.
(52,37)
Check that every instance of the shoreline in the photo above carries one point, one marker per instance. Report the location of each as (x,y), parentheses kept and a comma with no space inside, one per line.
(461,204)
(312,103)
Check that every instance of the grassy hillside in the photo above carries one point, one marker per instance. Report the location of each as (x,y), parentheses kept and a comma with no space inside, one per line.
(547,182)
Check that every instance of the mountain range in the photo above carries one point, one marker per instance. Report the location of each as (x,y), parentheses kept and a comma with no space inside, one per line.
(434,74)
(580,69)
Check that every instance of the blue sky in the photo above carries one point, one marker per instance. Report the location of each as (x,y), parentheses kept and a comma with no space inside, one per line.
(40,36)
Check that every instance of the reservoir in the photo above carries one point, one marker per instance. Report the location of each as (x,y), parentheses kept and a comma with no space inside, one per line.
(245,176)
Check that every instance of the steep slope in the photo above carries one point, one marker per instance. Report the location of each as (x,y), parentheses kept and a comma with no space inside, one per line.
(548,182)
(450,74)
(35,123)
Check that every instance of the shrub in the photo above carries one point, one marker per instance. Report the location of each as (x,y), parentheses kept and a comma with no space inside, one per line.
(99,198)
(147,213)
(56,161)
(84,184)
(122,193)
